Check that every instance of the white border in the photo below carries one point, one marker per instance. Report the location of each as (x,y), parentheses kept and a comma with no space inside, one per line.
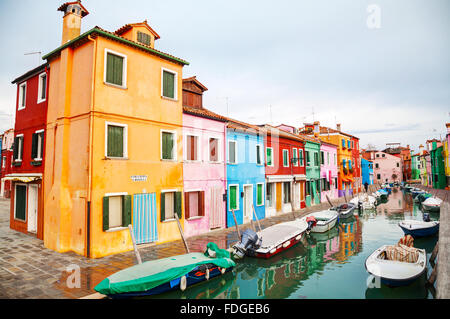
(288,159)
(22,100)
(235,152)
(124,69)
(175,98)
(39,100)
(125,140)
(19,149)
(219,151)
(42,145)
(175,147)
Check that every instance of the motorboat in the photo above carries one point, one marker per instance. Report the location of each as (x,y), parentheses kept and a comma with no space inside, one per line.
(432,204)
(364,201)
(421,197)
(322,221)
(420,228)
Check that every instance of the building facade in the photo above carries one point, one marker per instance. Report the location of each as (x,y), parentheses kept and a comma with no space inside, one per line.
(7,158)
(367,171)
(328,171)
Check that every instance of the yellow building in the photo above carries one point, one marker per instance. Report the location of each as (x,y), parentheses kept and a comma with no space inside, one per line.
(114,147)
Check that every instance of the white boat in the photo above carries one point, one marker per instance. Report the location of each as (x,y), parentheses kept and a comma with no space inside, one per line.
(325,220)
(419,228)
(432,204)
(367,201)
(395,272)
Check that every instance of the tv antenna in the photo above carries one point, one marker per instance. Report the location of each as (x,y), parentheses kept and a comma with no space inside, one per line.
(36,52)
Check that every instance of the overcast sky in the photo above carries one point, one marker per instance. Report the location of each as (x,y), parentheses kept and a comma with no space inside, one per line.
(277,61)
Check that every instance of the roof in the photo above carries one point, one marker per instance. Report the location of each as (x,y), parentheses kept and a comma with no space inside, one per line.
(30,73)
(127,27)
(325,130)
(202,112)
(197,82)
(244,127)
(97,31)
(292,136)
(64,6)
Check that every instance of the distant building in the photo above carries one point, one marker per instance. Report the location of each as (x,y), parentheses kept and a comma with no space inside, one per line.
(367,171)
(387,168)
(7,154)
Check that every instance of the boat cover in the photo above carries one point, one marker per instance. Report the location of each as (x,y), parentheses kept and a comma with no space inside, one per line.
(401,253)
(151,274)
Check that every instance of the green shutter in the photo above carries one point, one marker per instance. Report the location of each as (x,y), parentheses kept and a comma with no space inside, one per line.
(163,206)
(233,197)
(34,144)
(269,156)
(259,194)
(178,202)
(168,84)
(167,145)
(126,210)
(114,69)
(115,141)
(105,213)
(21,200)
(15,147)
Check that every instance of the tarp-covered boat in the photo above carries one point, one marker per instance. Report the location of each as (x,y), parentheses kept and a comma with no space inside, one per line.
(397,265)
(432,204)
(161,275)
(422,197)
(345,210)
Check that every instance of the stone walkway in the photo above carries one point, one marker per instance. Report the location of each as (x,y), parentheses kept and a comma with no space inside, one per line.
(29,270)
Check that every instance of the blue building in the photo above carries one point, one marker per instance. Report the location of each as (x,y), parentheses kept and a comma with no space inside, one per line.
(245,172)
(366,171)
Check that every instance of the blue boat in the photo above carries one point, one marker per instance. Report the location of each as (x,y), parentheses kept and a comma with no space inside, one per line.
(418,228)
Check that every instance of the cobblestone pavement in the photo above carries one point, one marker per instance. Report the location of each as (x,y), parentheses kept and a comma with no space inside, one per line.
(29,270)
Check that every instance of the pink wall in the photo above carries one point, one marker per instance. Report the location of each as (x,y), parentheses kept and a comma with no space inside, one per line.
(203,175)
(328,167)
(387,165)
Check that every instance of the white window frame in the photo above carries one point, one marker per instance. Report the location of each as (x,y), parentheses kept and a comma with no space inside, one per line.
(164,191)
(237,196)
(175,147)
(295,155)
(175,98)
(19,150)
(199,158)
(263,194)
(301,155)
(261,155)
(271,149)
(41,148)
(3,161)
(22,99)
(235,152)
(124,69)
(125,140)
(39,99)
(26,198)
(113,229)
(219,152)
(286,150)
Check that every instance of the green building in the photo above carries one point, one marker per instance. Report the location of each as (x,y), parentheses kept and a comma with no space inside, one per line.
(312,151)
(438,167)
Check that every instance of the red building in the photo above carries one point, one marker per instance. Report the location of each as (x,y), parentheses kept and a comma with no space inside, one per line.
(357,177)
(28,152)
(6,160)
(285,171)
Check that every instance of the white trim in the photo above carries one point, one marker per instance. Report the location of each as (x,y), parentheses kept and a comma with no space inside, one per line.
(295,152)
(115,194)
(19,149)
(243,202)
(22,99)
(199,154)
(260,155)
(26,204)
(235,152)
(39,99)
(263,194)
(271,149)
(175,148)
(124,69)
(287,157)
(125,140)
(175,98)
(41,149)
(302,163)
(237,197)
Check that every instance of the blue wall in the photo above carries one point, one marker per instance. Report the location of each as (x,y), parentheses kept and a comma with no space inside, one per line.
(246,171)
(366,171)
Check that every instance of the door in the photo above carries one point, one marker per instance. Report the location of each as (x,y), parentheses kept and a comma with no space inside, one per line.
(144,218)
(216,208)
(248,201)
(297,195)
(32,208)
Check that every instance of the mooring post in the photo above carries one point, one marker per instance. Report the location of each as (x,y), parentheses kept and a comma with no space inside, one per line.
(435,252)
(236,224)
(136,252)
(256,217)
(181,232)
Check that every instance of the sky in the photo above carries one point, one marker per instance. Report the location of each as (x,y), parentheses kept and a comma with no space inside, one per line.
(380,68)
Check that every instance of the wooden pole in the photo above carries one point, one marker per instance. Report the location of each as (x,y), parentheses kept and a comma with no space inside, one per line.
(329,201)
(136,252)
(256,217)
(433,275)
(434,253)
(236,224)
(181,232)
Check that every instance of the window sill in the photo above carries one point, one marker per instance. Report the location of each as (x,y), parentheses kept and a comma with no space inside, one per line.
(115,158)
(114,229)
(169,220)
(168,160)
(169,98)
(20,108)
(17,163)
(36,162)
(115,85)
(195,217)
(40,101)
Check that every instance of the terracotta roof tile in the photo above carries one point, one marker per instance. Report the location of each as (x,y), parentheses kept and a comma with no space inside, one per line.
(202,112)
(128,26)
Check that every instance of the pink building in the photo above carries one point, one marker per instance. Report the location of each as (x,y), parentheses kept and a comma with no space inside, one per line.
(328,171)
(204,168)
(386,167)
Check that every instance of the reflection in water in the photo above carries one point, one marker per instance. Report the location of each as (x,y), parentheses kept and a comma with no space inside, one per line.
(324,265)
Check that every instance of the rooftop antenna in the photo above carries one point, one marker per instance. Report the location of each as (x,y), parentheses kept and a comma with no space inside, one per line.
(36,52)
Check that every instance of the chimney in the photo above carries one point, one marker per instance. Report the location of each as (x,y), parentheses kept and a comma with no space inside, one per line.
(338,127)
(448,127)
(421,149)
(316,128)
(73,13)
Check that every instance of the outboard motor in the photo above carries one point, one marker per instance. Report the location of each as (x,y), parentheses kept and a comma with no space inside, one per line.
(311,221)
(359,206)
(249,240)
(426,217)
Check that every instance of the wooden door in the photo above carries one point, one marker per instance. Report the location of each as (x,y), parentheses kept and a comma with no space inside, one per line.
(216,208)
(32,208)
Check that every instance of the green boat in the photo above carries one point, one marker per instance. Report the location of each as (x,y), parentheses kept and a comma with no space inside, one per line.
(166,274)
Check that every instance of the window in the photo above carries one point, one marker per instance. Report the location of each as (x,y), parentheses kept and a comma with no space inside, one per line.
(115,69)
(116,211)
(192,148)
(343,143)
(168,145)
(378,155)
(328,158)
(308,162)
(335,181)
(270,195)
(398,164)
(316,159)
(170,204)
(294,157)
(232,156)
(301,157)
(213,149)
(18,148)
(269,156)
(308,188)
(233,202)
(258,155)
(343,163)
(4,162)
(37,145)
(348,144)
(376,165)
(169,84)
(144,38)
(322,157)
(286,158)
(20,202)
(22,96)
(42,87)
(286,192)
(335,159)
(116,140)
(378,176)
(194,204)
(259,194)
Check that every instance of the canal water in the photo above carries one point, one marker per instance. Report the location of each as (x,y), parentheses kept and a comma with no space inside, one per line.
(328,265)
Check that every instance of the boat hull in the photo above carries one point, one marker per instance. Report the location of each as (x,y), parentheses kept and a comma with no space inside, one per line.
(422,232)
(431,208)
(278,249)
(326,227)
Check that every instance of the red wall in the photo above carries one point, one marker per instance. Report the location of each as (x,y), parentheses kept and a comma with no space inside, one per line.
(278,144)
